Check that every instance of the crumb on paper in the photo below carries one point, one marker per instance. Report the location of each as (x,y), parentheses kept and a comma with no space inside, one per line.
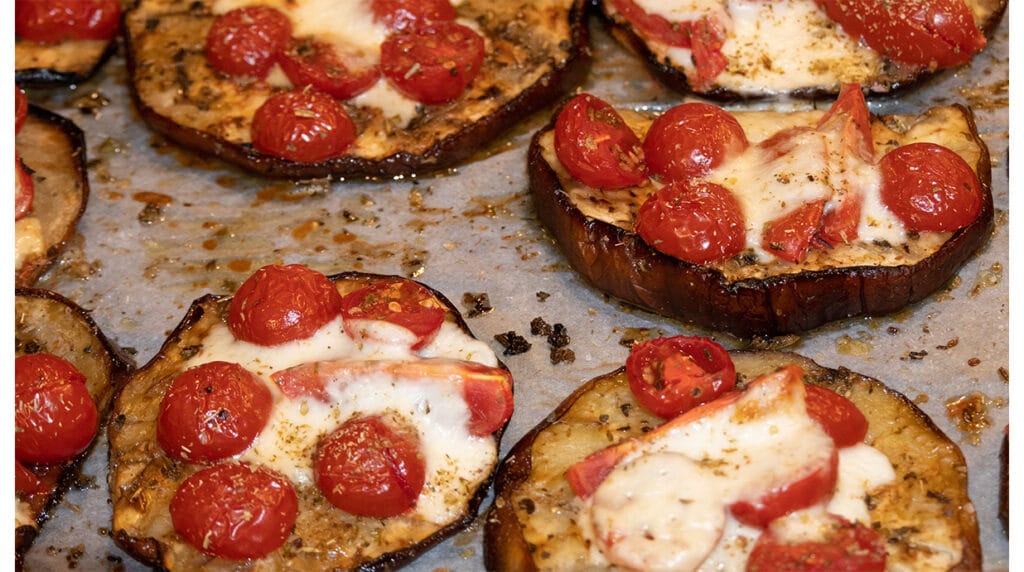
(970,415)
(478,304)
(513,343)
(539,327)
(542,296)
(973,361)
(950,344)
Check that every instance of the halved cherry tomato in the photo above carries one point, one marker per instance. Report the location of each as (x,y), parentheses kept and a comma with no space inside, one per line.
(432,63)
(54,416)
(692,220)
(708,38)
(849,116)
(279,304)
(302,125)
(938,33)
(789,236)
(25,481)
(929,187)
(24,190)
(690,139)
(20,109)
(401,302)
(669,376)
(596,146)
(811,487)
(837,415)
(370,467)
(246,41)
(234,511)
(841,546)
(310,62)
(211,412)
(841,224)
(401,14)
(55,21)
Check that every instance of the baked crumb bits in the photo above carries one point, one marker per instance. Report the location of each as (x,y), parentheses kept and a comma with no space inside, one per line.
(559,355)
(539,327)
(513,343)
(558,338)
(973,361)
(915,355)
(478,304)
(542,296)
(1004,374)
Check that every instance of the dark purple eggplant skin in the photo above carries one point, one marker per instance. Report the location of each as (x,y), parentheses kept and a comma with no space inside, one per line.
(619,263)
(446,152)
(1004,482)
(49,77)
(895,80)
(150,551)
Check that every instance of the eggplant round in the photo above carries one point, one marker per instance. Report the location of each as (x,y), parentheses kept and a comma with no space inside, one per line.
(64,64)
(532,524)
(748,299)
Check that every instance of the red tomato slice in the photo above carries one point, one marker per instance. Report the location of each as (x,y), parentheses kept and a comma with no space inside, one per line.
(309,62)
(841,224)
(849,116)
(842,546)
(302,125)
(585,476)
(401,14)
(670,376)
(55,21)
(486,390)
(657,28)
(789,236)
(54,416)
(25,481)
(708,37)
(246,41)
(695,221)
(809,488)
(371,467)
(20,109)
(690,139)
(929,187)
(24,190)
(934,33)
(279,304)
(211,412)
(596,146)
(837,415)
(432,63)
(401,302)
(234,511)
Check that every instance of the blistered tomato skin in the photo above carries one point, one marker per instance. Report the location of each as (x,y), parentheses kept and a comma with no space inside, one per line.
(401,302)
(432,63)
(670,376)
(402,14)
(280,304)
(309,62)
(56,21)
(695,221)
(211,412)
(246,41)
(234,511)
(596,146)
(930,188)
(304,125)
(844,546)
(54,416)
(370,467)
(691,139)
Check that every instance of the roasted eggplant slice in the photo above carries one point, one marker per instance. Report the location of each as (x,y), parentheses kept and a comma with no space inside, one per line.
(925,515)
(67,63)
(46,322)
(783,49)
(143,478)
(52,149)
(595,232)
(534,52)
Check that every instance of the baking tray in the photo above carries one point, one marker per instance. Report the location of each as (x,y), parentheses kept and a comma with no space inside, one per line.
(164,226)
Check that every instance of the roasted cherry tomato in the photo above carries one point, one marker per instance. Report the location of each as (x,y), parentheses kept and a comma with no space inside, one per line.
(370,467)
(55,21)
(814,485)
(837,415)
(302,125)
(670,376)
(849,116)
(596,146)
(54,416)
(20,109)
(840,546)
(690,139)
(234,511)
(929,187)
(938,33)
(695,221)
(401,14)
(24,190)
(211,412)
(279,304)
(401,302)
(25,481)
(246,41)
(309,62)
(789,236)
(432,63)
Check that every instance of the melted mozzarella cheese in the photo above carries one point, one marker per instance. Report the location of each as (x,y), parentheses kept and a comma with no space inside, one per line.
(397,108)
(685,10)
(28,240)
(861,468)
